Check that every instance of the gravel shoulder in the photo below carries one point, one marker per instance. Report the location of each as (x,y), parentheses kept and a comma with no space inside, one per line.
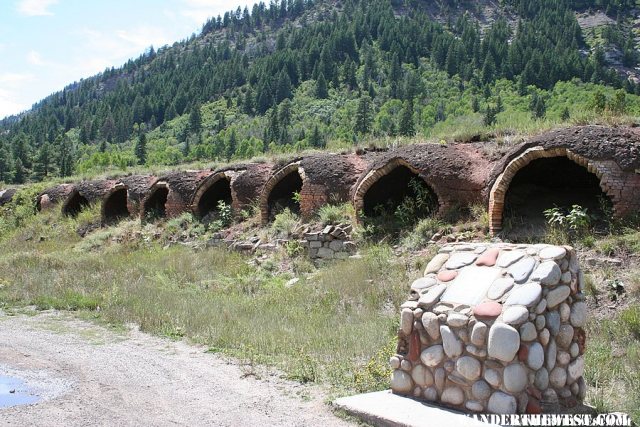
(90,375)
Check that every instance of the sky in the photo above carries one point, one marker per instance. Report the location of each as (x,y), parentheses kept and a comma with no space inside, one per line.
(48,44)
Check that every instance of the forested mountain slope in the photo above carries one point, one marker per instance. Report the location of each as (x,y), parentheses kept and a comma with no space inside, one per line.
(306,73)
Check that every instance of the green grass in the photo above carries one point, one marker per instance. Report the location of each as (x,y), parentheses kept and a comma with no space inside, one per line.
(612,368)
(332,214)
(324,329)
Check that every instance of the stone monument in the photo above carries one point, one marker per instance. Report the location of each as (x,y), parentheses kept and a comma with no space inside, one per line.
(495,328)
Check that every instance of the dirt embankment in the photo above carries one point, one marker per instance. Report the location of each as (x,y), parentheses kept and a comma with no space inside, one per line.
(90,375)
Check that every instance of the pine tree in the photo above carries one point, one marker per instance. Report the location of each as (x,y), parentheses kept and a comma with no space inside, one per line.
(19,172)
(395,76)
(489,118)
(283,88)
(407,127)
(488,69)
(350,74)
(273,130)
(43,164)
(599,101)
(21,150)
(363,115)
(284,119)
(322,92)
(195,119)
(537,106)
(65,159)
(619,102)
(232,144)
(475,104)
(141,149)
(186,147)
(4,164)
(316,140)
(247,104)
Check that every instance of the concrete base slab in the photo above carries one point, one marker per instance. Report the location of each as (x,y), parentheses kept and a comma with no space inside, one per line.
(385,409)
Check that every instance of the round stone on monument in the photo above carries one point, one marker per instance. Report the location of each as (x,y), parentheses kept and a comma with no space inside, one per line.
(521,270)
(436,263)
(557,296)
(578,316)
(453,396)
(481,390)
(502,403)
(515,378)
(500,287)
(468,367)
(553,253)
(432,356)
(515,315)
(548,273)
(489,310)
(504,342)
(460,259)
(452,345)
(401,381)
(527,295)
(535,359)
(447,275)
(488,258)
(508,258)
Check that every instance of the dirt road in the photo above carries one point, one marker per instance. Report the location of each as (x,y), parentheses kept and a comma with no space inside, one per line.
(90,375)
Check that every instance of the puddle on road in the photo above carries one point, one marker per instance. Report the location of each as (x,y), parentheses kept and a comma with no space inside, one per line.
(13,392)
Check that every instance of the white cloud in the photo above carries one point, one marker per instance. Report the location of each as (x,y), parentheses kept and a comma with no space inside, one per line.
(141,38)
(34,58)
(201,10)
(36,7)
(11,85)
(119,45)
(14,78)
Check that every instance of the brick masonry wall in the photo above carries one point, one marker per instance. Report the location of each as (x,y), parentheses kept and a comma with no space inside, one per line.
(459,174)
(312,198)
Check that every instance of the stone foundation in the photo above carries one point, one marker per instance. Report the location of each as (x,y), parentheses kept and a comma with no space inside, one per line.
(333,242)
(495,328)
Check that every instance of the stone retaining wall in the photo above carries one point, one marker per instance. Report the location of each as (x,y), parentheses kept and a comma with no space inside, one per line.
(495,328)
(333,242)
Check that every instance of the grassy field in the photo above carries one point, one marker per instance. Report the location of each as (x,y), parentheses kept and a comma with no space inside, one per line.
(336,325)
(326,327)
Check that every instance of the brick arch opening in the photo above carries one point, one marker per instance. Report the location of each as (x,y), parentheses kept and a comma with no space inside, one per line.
(214,189)
(279,191)
(42,201)
(154,205)
(74,204)
(114,206)
(541,179)
(388,186)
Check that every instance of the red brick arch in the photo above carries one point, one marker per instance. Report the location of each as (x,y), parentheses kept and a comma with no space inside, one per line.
(68,206)
(272,182)
(375,174)
(118,187)
(204,186)
(605,173)
(152,191)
